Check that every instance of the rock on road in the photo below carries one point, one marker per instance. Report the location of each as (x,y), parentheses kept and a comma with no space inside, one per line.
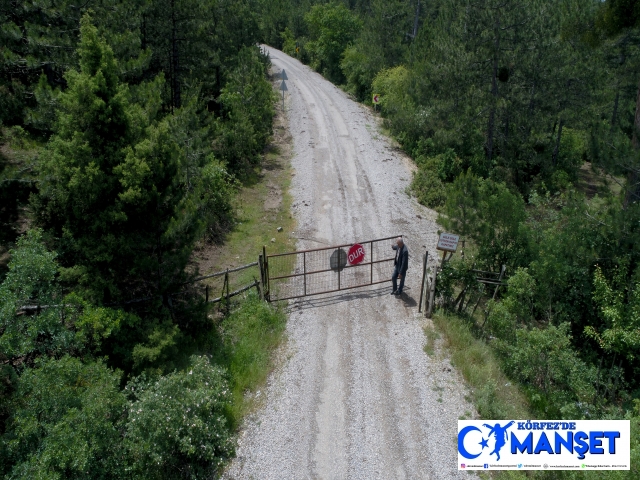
(355,396)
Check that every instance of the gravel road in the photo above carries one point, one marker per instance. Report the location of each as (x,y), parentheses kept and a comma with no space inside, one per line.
(354,395)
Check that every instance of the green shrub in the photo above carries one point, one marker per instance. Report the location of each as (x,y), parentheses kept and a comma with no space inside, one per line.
(516,309)
(295,47)
(433,172)
(218,187)
(32,280)
(357,71)
(428,188)
(332,28)
(178,426)
(561,385)
(392,85)
(66,422)
(572,153)
(488,213)
(288,42)
(618,302)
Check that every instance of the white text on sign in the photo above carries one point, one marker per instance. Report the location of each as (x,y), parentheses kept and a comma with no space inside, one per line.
(356,254)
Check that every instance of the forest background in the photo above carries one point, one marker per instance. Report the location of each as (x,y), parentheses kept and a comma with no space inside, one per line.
(134,122)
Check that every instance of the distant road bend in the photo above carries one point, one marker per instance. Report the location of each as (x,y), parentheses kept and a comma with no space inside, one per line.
(354,395)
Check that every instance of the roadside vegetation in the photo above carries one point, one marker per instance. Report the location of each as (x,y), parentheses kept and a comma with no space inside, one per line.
(134,136)
(522,120)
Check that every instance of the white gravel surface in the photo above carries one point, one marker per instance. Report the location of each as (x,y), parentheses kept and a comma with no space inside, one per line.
(354,395)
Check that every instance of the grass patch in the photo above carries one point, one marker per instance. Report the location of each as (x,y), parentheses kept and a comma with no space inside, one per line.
(247,339)
(467,416)
(492,392)
(261,208)
(432,335)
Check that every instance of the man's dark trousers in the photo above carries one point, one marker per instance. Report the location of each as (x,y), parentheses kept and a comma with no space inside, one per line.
(401,262)
(394,279)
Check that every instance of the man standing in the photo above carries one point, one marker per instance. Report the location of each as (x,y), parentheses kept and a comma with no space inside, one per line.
(401,263)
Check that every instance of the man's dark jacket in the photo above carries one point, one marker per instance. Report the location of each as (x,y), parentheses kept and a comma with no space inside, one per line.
(401,261)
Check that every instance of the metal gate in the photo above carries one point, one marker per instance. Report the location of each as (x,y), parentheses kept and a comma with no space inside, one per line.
(325,270)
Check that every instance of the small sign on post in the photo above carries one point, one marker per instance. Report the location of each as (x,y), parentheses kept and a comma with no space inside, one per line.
(448,242)
(375,100)
(283,75)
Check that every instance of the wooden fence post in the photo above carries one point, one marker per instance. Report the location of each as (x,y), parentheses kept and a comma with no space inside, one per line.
(265,259)
(262,281)
(495,292)
(502,270)
(432,295)
(224,287)
(424,275)
(226,280)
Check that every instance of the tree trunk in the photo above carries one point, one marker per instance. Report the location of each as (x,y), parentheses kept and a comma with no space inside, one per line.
(556,150)
(633,177)
(415,21)
(614,115)
(494,94)
(143,33)
(175,64)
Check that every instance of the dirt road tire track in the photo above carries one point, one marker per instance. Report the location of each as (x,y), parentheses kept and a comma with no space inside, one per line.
(355,396)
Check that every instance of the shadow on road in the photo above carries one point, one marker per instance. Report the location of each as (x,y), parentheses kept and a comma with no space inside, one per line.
(350,296)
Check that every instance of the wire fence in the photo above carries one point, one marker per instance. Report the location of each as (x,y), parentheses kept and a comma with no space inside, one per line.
(222,286)
(325,270)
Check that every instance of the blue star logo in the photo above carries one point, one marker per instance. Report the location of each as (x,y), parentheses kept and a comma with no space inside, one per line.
(484,443)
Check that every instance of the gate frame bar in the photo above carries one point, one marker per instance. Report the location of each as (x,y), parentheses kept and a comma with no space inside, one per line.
(267,278)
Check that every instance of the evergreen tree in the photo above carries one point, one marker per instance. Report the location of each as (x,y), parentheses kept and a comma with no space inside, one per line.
(247,102)
(111,191)
(40,38)
(388,28)
(196,43)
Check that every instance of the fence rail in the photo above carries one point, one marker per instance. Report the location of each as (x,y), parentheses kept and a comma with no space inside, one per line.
(226,284)
(223,272)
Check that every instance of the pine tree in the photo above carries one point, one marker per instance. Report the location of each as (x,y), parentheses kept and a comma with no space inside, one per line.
(111,189)
(40,38)
(196,43)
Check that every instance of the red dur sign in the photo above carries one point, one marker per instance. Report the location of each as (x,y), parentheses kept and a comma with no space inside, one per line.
(355,254)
